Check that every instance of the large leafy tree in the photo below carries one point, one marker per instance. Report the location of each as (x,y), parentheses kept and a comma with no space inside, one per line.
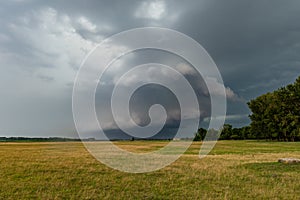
(277,114)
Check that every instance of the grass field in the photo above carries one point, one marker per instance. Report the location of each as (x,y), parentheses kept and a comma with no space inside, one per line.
(233,170)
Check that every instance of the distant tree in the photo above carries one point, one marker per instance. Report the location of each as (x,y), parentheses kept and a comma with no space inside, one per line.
(226,132)
(246,133)
(212,134)
(200,135)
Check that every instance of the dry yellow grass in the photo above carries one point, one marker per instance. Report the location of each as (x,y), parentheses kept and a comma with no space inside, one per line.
(233,170)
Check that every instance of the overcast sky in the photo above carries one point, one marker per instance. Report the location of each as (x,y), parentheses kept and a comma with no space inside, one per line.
(255,44)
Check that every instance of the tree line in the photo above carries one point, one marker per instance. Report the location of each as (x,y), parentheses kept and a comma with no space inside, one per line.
(275,116)
(40,139)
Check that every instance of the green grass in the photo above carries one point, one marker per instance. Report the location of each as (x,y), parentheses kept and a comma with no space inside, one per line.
(233,170)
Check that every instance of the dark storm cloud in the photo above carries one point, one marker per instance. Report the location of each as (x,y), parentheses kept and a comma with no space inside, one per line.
(255,44)
(149,95)
(257,38)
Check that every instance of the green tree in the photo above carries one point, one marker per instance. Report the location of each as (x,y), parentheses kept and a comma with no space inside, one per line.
(276,115)
(200,135)
(226,132)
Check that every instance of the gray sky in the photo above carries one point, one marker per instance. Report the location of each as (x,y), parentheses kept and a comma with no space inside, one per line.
(255,44)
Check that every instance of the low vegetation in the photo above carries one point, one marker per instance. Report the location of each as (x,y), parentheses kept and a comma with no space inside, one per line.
(233,170)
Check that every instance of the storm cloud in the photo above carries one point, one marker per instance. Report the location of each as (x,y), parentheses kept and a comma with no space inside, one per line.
(255,44)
